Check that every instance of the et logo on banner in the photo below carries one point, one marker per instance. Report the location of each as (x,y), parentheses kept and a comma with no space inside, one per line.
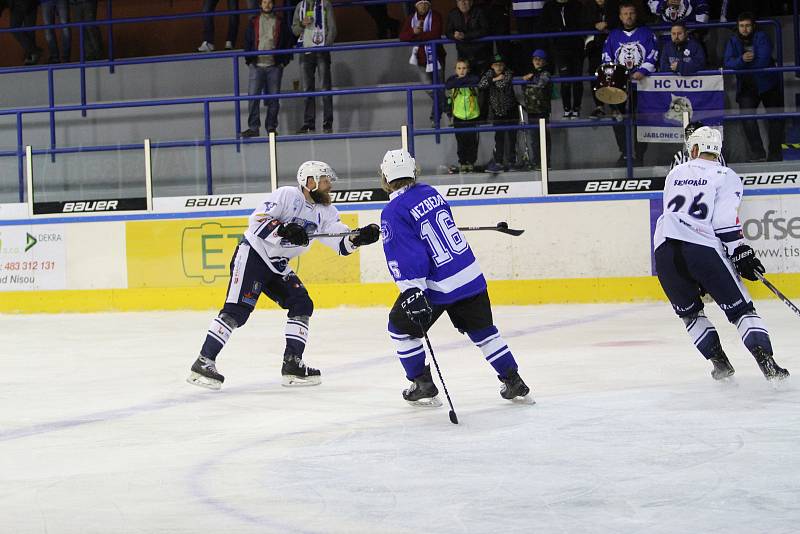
(677,83)
(206,250)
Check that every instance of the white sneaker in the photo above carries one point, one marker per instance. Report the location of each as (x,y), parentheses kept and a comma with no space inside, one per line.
(205,47)
(228,45)
(567,114)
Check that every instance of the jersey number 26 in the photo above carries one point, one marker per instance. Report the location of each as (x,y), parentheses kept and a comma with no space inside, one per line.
(697,209)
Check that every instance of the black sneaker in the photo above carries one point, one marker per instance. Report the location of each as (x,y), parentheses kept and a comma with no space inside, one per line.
(296,373)
(598,113)
(250,132)
(305,129)
(765,361)
(422,391)
(722,366)
(204,374)
(328,129)
(513,387)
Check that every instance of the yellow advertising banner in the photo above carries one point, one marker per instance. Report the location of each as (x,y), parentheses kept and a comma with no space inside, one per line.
(197,253)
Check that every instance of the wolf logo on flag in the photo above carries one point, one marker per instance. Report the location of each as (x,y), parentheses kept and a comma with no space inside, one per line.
(678,104)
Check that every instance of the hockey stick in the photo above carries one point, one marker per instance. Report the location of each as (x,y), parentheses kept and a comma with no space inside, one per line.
(778,294)
(501,227)
(453,416)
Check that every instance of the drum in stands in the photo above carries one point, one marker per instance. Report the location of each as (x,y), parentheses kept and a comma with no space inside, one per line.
(611,86)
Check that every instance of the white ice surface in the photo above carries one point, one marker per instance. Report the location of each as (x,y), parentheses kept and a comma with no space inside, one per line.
(100,433)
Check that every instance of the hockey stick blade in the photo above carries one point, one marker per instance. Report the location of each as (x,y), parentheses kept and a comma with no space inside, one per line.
(778,294)
(501,227)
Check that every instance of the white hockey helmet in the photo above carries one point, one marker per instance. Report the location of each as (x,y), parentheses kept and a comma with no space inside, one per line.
(707,140)
(398,164)
(316,170)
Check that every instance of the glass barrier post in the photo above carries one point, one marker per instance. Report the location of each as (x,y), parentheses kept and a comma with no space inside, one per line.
(237,119)
(110,38)
(20,159)
(410,119)
(207,144)
(629,122)
(148,174)
(52,102)
(29,177)
(436,114)
(796,27)
(82,57)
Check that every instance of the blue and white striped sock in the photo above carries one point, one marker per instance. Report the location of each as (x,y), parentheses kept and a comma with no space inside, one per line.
(703,334)
(218,334)
(754,332)
(410,351)
(494,349)
(296,333)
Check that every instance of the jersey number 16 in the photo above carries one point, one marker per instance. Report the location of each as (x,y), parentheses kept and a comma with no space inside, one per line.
(447,241)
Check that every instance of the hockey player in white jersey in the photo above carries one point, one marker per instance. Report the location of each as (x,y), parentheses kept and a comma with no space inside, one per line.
(278,230)
(699,243)
(682,155)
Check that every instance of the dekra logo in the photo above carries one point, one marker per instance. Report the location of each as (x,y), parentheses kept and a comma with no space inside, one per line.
(769,227)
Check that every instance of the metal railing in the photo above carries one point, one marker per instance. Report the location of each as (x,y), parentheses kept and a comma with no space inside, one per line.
(207,140)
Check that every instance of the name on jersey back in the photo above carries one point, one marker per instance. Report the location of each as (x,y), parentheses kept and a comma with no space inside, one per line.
(426,206)
(679,183)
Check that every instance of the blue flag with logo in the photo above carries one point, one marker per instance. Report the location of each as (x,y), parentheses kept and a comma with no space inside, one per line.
(662,101)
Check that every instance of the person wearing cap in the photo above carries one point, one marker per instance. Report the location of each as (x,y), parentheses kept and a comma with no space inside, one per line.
(537,95)
(503,110)
(566,16)
(466,23)
(426,25)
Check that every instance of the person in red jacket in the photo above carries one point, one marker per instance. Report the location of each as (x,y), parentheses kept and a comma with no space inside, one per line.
(425,24)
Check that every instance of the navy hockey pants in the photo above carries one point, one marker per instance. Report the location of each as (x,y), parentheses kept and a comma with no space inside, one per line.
(683,268)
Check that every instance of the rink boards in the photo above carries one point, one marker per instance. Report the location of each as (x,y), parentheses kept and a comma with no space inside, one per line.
(586,248)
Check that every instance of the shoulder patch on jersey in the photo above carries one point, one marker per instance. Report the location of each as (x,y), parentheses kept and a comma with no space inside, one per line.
(386,231)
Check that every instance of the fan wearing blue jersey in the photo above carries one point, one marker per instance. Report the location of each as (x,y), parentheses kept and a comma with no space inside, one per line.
(698,242)
(436,272)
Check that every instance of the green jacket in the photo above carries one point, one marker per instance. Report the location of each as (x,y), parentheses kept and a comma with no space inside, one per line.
(462,95)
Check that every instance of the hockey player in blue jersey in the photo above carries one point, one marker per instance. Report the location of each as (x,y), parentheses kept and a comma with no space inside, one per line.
(278,231)
(436,272)
(698,242)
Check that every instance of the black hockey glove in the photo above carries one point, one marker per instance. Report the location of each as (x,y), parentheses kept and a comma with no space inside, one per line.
(416,305)
(746,262)
(367,235)
(294,234)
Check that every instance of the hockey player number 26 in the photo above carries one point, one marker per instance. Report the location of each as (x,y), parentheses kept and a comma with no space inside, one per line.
(697,209)
(453,242)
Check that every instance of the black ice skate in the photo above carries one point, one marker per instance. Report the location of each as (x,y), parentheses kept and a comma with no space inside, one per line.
(204,374)
(296,373)
(514,389)
(422,391)
(722,366)
(768,366)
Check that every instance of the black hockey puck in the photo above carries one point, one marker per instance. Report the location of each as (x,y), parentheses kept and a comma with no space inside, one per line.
(502,225)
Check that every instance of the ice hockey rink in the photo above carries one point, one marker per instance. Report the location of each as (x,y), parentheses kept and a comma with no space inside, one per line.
(100,433)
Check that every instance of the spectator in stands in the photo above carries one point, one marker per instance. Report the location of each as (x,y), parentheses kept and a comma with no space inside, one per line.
(752,49)
(537,94)
(601,16)
(566,16)
(386,26)
(86,11)
(503,111)
(682,54)
(526,17)
(425,25)
(672,11)
(51,8)
(499,14)
(465,23)
(23,14)
(633,47)
(209,6)
(266,31)
(315,26)
(462,93)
